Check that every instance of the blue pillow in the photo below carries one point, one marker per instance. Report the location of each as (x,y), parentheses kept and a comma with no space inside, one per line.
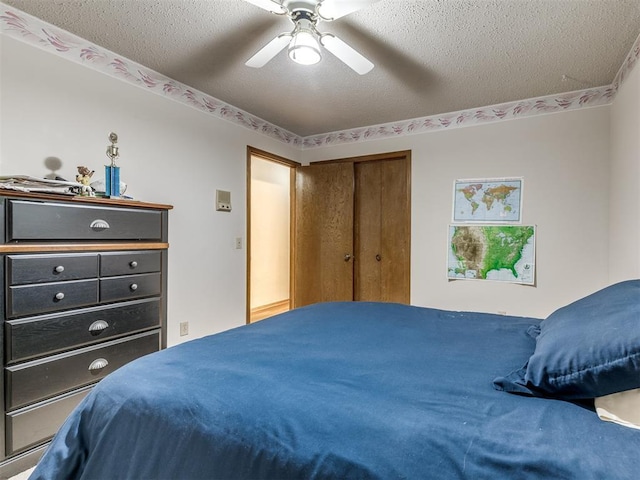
(587,349)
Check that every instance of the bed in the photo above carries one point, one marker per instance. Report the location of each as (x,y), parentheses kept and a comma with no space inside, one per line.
(367,390)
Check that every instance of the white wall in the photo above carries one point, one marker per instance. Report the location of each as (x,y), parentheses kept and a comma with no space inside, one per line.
(174,154)
(563,158)
(624,209)
(170,153)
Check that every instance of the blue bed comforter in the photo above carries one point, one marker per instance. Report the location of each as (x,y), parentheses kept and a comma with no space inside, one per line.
(338,390)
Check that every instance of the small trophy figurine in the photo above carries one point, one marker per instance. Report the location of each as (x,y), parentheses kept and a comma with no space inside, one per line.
(111,172)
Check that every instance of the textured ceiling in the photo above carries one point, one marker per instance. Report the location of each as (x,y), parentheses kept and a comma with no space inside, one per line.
(430,56)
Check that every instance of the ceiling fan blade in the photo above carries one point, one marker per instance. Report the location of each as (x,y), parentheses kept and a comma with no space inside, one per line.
(333,9)
(269,5)
(269,51)
(344,52)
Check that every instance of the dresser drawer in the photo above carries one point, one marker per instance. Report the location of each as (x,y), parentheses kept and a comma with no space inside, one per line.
(129,287)
(40,379)
(125,263)
(41,221)
(47,334)
(22,269)
(25,300)
(37,424)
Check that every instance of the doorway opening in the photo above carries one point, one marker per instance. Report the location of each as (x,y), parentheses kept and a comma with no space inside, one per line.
(270,229)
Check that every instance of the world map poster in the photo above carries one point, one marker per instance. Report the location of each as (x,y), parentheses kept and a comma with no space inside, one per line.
(488,200)
(503,253)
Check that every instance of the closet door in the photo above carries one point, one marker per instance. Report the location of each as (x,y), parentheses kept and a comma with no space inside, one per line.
(353,230)
(323,253)
(382,231)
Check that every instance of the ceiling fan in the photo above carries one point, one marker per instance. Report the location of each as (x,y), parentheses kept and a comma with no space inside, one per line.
(304,40)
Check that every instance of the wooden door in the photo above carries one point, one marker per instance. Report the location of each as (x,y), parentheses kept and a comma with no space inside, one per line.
(353,230)
(382,231)
(323,266)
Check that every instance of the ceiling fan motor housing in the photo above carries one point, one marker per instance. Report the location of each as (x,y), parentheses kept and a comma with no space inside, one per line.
(294,6)
(303,15)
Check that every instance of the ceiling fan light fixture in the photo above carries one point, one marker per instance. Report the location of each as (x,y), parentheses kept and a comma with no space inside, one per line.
(304,48)
(304,42)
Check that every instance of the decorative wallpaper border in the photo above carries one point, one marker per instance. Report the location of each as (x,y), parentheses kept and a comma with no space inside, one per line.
(506,111)
(628,65)
(34,31)
(45,36)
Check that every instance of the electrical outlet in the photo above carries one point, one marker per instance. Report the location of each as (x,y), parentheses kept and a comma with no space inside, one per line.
(184,328)
(238,243)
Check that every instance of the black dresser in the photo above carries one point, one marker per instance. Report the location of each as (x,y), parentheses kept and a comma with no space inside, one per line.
(83,292)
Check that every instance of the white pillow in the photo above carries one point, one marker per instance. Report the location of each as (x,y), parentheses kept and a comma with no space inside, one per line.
(622,408)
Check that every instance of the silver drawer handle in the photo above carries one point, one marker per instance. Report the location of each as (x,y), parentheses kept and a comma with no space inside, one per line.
(59,296)
(98,364)
(59,269)
(98,326)
(99,225)
(133,264)
(133,287)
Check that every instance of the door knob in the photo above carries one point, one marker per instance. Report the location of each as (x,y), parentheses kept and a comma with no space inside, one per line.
(347,257)
(378,257)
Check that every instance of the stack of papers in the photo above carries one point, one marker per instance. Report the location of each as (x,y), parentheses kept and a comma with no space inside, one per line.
(25,183)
